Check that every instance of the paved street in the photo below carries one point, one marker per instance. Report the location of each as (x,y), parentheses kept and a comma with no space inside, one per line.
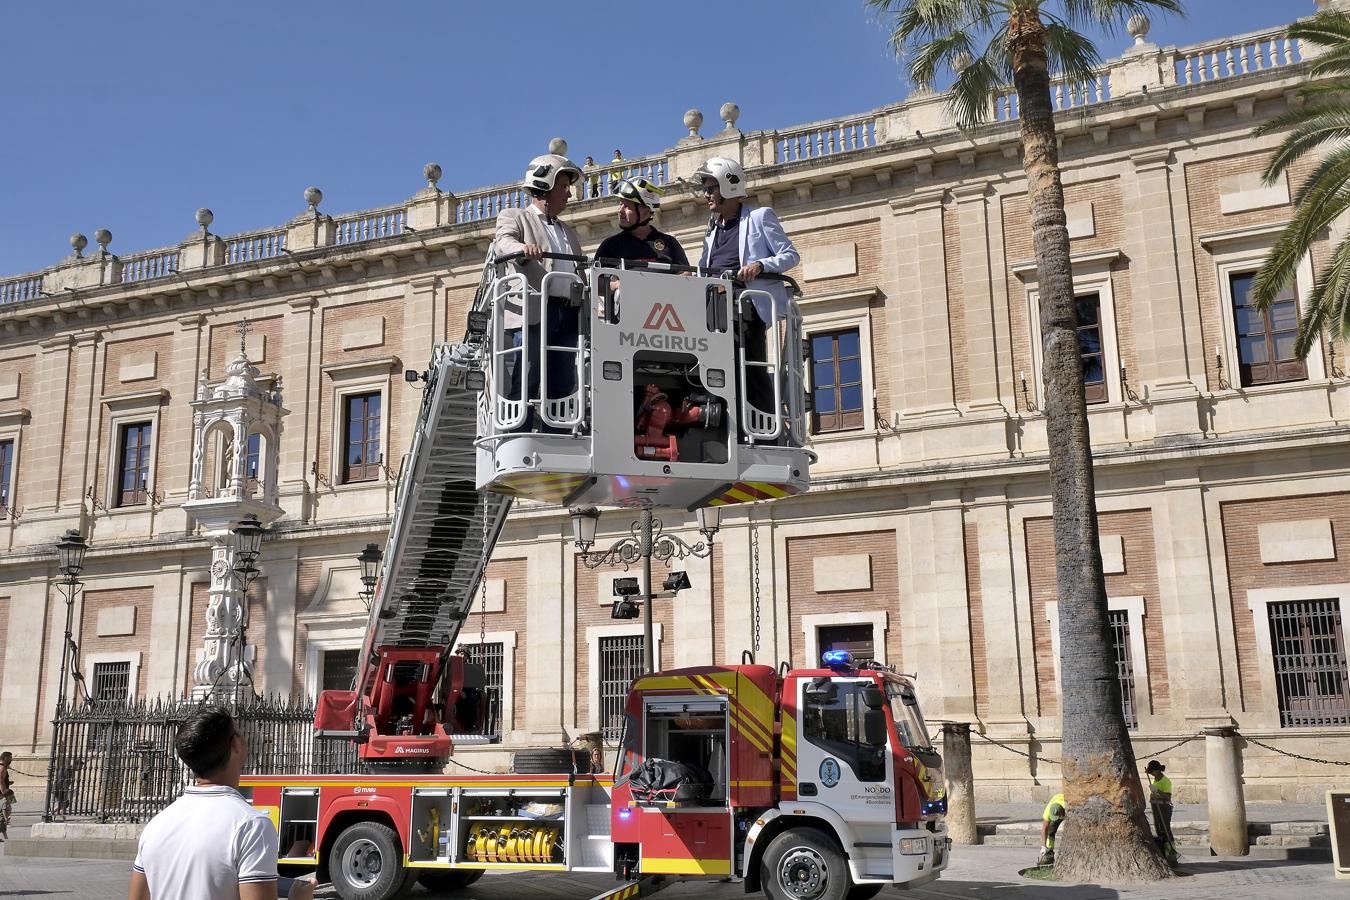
(975,872)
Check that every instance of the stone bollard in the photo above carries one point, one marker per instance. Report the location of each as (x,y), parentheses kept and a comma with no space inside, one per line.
(960,783)
(1223,778)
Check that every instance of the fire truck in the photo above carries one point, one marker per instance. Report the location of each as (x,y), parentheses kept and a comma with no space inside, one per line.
(806,783)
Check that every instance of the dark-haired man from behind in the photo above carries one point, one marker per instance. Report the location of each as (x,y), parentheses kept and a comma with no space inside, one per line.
(210,844)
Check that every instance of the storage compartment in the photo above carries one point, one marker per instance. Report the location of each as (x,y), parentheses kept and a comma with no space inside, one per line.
(512,828)
(299,818)
(692,732)
(432,825)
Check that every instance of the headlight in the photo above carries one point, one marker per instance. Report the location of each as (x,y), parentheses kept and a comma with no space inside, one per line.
(914,846)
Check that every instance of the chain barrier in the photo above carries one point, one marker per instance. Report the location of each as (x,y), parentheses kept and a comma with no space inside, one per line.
(1311,759)
(754,557)
(1057,762)
(471,768)
(1187,740)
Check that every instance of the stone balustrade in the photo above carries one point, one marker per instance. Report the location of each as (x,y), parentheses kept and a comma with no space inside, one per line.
(151,264)
(1255,52)
(826,138)
(254,246)
(366,226)
(1143,67)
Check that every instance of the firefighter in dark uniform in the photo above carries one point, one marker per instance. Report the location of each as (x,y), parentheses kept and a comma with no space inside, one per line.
(638,239)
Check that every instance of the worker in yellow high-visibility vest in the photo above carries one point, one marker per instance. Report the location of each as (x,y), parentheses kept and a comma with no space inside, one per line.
(1051,819)
(1160,799)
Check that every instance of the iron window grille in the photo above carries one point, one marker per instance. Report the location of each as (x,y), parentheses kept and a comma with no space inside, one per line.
(836,381)
(339,669)
(361,438)
(1308,646)
(1265,339)
(133,464)
(620,663)
(491,656)
(111,681)
(1119,620)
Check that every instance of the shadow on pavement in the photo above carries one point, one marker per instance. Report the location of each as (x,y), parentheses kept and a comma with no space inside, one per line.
(1011,890)
(1241,865)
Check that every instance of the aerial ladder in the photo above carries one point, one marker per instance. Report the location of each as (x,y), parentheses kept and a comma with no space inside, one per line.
(667,407)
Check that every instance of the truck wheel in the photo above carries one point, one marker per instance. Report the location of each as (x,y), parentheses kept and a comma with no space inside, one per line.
(444,882)
(804,864)
(367,863)
(864,891)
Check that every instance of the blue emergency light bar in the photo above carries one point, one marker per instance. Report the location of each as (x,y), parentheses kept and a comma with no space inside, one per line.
(935,807)
(837,659)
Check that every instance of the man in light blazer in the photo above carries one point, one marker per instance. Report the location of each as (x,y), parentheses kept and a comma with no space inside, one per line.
(535,230)
(749,240)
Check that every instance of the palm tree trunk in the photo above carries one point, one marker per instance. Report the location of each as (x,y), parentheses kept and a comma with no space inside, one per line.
(1106,836)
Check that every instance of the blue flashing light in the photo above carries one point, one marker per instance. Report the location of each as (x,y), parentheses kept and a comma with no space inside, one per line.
(935,807)
(837,659)
(625,814)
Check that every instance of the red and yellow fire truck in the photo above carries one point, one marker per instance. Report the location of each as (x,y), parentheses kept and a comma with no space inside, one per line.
(819,784)
(812,784)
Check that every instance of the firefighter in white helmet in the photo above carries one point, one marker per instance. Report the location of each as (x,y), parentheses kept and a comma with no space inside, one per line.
(535,230)
(638,239)
(750,241)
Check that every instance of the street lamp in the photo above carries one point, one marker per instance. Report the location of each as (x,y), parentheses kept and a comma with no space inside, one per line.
(646,540)
(70,552)
(370,572)
(248,535)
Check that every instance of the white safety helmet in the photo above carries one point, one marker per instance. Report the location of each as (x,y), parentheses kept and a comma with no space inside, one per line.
(728,173)
(544,170)
(640,191)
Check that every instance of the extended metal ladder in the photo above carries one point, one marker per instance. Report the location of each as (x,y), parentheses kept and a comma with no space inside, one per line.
(443,530)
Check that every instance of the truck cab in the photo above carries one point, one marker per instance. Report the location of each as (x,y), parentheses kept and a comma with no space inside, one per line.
(796,781)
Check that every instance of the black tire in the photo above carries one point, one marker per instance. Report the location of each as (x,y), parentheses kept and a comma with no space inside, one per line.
(550,761)
(864,891)
(809,858)
(439,882)
(367,863)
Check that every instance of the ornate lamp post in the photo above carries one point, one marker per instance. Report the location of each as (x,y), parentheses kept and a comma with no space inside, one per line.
(70,552)
(248,535)
(370,572)
(646,540)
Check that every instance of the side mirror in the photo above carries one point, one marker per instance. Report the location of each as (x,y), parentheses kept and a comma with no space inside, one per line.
(874,697)
(874,727)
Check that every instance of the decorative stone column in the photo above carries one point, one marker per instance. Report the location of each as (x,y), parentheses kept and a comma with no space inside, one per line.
(960,783)
(1223,783)
(224,419)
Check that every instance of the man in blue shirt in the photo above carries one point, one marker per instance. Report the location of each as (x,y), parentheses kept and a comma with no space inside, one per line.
(750,241)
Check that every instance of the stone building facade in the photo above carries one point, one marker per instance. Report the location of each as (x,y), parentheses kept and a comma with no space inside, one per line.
(1223,479)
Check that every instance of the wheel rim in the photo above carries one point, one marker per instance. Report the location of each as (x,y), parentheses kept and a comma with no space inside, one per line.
(803,873)
(362,862)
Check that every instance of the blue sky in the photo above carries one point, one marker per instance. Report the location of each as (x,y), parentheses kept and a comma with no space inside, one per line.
(130,116)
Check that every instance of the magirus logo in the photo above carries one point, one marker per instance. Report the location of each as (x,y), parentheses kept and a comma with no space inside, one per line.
(411,750)
(663,315)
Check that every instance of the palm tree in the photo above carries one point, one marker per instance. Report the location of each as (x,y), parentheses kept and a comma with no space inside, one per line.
(1320,125)
(987,44)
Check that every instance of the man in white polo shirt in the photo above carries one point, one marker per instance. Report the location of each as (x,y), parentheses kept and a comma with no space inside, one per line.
(211,844)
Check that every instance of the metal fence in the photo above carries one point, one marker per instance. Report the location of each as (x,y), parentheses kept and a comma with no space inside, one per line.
(113,761)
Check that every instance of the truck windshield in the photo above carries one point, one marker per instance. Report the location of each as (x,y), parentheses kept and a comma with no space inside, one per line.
(908,719)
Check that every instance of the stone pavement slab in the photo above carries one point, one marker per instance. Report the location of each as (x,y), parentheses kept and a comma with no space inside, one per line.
(976,873)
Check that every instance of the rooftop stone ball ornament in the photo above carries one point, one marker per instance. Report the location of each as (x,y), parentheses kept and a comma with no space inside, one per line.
(78,242)
(729,112)
(313,196)
(432,173)
(103,237)
(204,218)
(558,146)
(693,120)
